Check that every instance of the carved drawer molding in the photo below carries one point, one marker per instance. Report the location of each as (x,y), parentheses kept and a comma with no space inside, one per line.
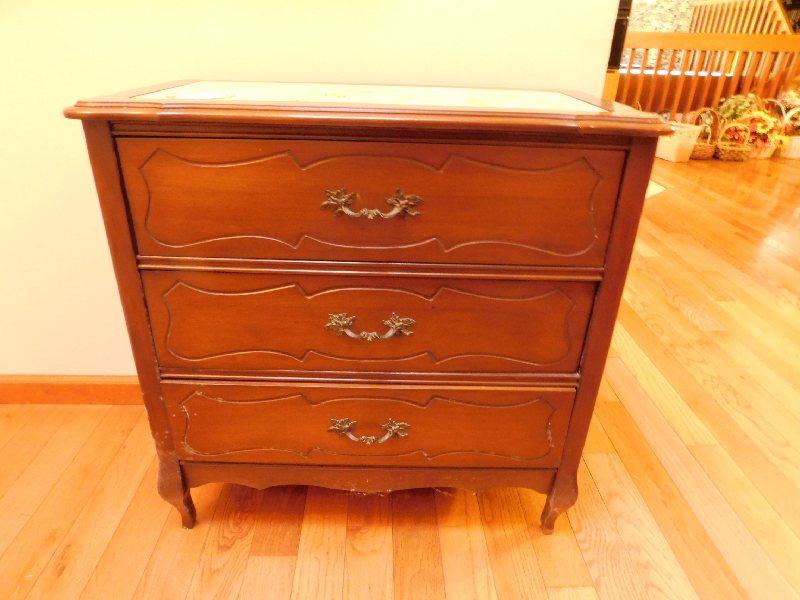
(279,199)
(259,322)
(314,424)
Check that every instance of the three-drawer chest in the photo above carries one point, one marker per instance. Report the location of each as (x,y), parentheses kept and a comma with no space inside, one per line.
(368,288)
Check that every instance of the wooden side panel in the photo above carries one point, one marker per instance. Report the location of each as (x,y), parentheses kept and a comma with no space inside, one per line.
(103,156)
(598,340)
(246,322)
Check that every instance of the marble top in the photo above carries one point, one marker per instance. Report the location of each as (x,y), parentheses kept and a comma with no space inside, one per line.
(332,94)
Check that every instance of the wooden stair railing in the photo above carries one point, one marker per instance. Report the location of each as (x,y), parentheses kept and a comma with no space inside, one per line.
(681,72)
(740,16)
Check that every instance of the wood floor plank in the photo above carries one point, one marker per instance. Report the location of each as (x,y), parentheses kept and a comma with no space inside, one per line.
(613,570)
(748,403)
(752,567)
(465,555)
(745,329)
(571,593)
(680,416)
(778,540)
(75,558)
(273,551)
(752,458)
(777,346)
(725,283)
(707,570)
(222,562)
(509,540)
(558,554)
(657,567)
(171,565)
(751,279)
(12,418)
(319,572)
(597,440)
(27,441)
(704,251)
(31,549)
(732,385)
(369,550)
(417,551)
(66,433)
(130,547)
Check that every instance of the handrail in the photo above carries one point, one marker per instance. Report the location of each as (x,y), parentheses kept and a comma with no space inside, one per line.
(740,16)
(713,41)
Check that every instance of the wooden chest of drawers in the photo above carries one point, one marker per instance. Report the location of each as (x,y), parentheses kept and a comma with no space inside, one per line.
(364,287)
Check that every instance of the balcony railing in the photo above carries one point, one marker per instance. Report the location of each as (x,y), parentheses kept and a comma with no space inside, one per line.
(739,16)
(681,72)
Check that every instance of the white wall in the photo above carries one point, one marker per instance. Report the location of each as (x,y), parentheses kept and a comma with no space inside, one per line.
(59,311)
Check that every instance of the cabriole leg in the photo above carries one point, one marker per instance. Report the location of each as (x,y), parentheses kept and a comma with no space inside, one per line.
(172,488)
(562,495)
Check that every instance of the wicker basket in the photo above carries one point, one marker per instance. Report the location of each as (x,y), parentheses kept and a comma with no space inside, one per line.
(774,108)
(707,139)
(791,143)
(731,149)
(791,149)
(678,146)
(764,150)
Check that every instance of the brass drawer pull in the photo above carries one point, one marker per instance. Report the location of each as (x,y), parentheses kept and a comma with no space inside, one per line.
(341,323)
(391,428)
(340,201)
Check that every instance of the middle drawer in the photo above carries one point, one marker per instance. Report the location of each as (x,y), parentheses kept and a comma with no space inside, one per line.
(207,321)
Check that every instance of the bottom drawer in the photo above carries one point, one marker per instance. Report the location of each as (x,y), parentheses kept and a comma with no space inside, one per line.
(369,424)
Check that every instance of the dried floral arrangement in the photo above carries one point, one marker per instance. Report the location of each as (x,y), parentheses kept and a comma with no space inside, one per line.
(736,107)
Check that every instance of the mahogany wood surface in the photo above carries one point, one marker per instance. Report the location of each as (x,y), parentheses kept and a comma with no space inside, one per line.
(365,479)
(461,427)
(640,163)
(240,322)
(522,237)
(614,119)
(264,199)
(103,157)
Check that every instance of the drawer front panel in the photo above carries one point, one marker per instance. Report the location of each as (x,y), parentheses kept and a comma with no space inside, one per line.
(323,200)
(369,425)
(245,322)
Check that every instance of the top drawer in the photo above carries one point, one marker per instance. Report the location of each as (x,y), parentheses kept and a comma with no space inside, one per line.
(370,201)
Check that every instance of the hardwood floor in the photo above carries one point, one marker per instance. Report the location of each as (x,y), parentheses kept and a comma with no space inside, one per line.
(690,484)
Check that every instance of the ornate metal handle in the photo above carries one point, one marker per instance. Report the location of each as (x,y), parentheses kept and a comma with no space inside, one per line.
(341,323)
(391,428)
(340,201)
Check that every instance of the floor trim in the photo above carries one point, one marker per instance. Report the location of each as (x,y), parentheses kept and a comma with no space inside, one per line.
(69,389)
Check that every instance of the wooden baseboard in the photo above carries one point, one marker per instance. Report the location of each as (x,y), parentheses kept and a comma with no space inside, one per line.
(67,389)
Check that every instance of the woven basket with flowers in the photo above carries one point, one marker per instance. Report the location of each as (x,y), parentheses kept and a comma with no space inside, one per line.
(790,140)
(736,107)
(764,132)
(708,120)
(734,142)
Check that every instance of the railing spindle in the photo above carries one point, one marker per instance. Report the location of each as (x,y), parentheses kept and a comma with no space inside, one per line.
(707,68)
